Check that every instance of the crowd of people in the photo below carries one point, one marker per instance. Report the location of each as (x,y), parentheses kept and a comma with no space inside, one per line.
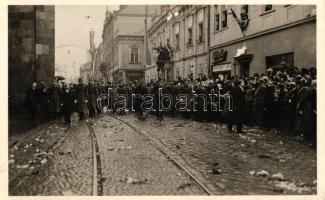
(279,99)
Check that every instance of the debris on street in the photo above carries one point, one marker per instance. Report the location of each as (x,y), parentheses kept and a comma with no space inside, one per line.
(44,161)
(184,185)
(131,180)
(263,173)
(277,177)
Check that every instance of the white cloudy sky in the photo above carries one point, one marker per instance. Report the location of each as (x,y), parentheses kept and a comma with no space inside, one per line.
(72,28)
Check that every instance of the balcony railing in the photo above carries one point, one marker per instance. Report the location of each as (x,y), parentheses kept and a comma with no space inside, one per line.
(132,66)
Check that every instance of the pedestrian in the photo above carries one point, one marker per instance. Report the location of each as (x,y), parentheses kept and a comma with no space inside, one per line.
(67,104)
(43,95)
(31,101)
(92,96)
(81,99)
(249,100)
(238,114)
(157,107)
(54,100)
(305,113)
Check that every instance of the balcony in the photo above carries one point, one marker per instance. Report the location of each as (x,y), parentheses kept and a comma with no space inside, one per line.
(132,66)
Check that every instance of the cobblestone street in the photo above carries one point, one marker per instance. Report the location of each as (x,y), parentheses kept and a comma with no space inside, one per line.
(176,157)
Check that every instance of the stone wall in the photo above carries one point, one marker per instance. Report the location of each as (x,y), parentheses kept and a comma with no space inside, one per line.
(30,48)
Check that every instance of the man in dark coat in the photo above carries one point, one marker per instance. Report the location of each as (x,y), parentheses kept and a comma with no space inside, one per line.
(258,110)
(43,95)
(122,91)
(54,100)
(238,113)
(67,103)
(305,116)
(92,94)
(81,99)
(269,112)
(155,92)
(249,99)
(31,101)
(139,90)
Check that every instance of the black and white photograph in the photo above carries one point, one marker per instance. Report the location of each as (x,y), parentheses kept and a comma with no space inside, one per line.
(162,100)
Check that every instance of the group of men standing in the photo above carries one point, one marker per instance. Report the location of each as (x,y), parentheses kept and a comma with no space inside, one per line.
(60,99)
(282,100)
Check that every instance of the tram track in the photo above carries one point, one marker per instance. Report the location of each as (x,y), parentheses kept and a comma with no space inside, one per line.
(176,160)
(97,187)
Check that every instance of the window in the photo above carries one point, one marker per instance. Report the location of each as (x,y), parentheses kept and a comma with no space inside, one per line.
(134,55)
(200,34)
(200,25)
(189,30)
(216,18)
(176,39)
(279,59)
(267,7)
(224,12)
(220,17)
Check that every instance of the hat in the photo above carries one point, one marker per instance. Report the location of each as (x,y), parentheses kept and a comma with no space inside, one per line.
(265,78)
(292,83)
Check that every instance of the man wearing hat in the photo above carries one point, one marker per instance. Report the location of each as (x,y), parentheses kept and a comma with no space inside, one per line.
(81,99)
(238,112)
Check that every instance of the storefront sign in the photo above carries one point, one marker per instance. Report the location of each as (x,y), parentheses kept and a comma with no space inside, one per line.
(219,56)
(223,67)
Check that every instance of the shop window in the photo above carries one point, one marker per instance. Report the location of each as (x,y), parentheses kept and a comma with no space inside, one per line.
(280,60)
(134,55)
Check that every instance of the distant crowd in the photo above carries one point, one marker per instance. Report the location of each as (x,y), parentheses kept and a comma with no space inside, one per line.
(280,99)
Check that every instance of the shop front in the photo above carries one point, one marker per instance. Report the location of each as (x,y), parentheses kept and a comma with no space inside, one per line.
(221,69)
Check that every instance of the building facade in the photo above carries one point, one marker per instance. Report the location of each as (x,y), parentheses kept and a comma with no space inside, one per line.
(185,29)
(86,72)
(123,42)
(272,35)
(100,68)
(31,48)
(208,40)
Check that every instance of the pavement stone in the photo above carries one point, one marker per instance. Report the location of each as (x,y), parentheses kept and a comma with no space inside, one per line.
(203,144)
(68,169)
(226,163)
(126,155)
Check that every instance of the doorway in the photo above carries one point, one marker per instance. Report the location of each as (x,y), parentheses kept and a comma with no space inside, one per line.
(243,62)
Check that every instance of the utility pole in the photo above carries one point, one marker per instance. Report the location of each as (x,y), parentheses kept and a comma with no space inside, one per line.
(145,37)
(92,50)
